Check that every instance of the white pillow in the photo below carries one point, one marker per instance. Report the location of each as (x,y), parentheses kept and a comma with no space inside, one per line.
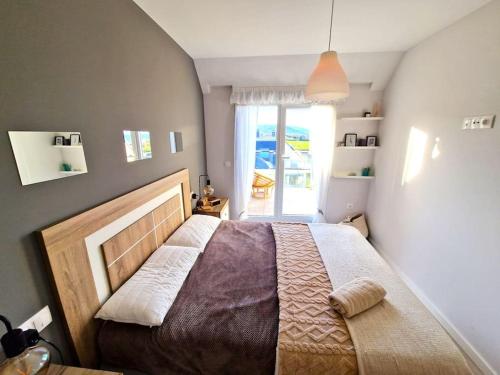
(195,232)
(148,295)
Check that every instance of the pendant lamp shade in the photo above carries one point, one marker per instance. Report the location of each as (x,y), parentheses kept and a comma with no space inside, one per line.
(328,81)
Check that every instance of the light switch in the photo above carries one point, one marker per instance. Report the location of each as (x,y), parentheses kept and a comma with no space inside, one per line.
(478,122)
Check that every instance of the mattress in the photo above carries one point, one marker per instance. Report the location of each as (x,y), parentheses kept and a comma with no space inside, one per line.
(224,319)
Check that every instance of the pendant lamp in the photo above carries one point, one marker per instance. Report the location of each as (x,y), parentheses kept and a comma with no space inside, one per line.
(328,81)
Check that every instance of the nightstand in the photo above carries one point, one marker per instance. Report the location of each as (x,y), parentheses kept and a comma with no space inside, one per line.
(65,370)
(221,210)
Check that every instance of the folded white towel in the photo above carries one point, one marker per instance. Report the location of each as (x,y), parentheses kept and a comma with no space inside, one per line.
(356,296)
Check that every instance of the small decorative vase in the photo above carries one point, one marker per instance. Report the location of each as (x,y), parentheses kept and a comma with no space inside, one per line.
(66,167)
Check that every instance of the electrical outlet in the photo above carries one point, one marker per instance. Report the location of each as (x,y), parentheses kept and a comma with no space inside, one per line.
(487,122)
(350,206)
(478,122)
(38,321)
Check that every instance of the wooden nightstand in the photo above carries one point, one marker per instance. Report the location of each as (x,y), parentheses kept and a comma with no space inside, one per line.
(221,210)
(65,370)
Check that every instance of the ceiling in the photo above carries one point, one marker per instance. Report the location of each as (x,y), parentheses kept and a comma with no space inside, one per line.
(236,28)
(277,42)
(373,68)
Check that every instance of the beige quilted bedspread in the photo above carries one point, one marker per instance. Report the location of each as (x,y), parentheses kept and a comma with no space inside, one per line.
(397,336)
(313,338)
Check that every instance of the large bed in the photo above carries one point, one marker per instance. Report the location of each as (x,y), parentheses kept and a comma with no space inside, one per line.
(224,317)
(254,302)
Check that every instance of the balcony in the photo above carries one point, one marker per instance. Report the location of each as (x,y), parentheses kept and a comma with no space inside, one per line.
(298,196)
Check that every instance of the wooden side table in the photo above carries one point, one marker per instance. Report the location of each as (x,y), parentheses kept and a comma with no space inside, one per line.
(66,370)
(221,210)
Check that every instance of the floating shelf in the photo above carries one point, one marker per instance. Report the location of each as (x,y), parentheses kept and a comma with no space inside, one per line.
(357,147)
(354,177)
(361,118)
(72,172)
(75,146)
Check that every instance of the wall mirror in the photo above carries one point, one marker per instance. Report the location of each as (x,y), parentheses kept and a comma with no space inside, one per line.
(44,156)
(175,142)
(137,145)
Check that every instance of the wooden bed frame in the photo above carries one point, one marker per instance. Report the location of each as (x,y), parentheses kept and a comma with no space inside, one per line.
(90,255)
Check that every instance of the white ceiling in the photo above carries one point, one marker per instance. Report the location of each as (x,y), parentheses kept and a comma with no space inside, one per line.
(236,28)
(374,68)
(277,42)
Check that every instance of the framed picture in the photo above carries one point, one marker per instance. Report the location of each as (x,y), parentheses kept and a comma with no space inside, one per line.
(351,139)
(362,142)
(74,139)
(371,141)
(59,140)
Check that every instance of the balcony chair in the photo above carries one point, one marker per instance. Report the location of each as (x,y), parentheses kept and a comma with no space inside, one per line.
(261,186)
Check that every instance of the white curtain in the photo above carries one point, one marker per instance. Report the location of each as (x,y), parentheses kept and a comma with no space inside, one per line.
(244,155)
(268,95)
(322,146)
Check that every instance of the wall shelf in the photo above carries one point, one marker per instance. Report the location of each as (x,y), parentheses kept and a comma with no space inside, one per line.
(358,148)
(354,177)
(361,118)
(72,172)
(75,146)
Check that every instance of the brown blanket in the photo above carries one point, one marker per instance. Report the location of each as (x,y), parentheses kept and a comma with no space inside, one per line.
(224,319)
(313,338)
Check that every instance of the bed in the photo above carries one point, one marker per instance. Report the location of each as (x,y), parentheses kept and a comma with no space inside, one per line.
(226,313)
(254,302)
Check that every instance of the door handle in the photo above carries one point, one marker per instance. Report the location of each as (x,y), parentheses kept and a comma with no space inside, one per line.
(285,157)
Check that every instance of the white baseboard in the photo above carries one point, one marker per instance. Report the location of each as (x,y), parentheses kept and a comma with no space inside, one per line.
(455,334)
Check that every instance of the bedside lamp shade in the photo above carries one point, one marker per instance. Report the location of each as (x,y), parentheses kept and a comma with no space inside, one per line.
(328,81)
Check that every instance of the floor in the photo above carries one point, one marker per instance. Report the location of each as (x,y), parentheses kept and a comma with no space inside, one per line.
(296,201)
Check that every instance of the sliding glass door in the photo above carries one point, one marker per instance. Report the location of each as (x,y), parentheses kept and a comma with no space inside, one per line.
(262,200)
(297,196)
(283,163)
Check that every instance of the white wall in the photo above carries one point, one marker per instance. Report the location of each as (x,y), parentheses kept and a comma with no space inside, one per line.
(442,228)
(355,192)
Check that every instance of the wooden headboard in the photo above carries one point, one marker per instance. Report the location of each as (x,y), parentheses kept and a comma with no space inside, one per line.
(90,255)
(125,252)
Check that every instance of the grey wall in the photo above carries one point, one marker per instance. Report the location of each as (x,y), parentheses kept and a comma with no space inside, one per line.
(219,135)
(97,67)
(442,228)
